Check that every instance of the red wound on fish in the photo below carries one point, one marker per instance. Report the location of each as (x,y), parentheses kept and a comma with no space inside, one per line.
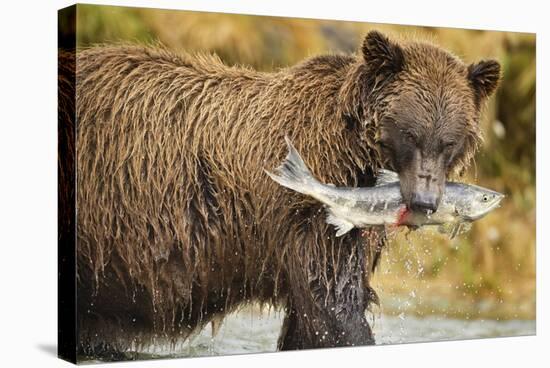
(402,215)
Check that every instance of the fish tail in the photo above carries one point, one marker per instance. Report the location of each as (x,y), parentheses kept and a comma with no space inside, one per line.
(293,172)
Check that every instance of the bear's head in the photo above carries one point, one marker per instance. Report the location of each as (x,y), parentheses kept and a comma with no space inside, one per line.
(425,104)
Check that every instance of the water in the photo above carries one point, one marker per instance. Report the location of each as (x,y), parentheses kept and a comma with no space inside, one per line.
(253,331)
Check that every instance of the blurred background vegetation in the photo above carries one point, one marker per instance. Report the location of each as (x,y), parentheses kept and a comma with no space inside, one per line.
(488,272)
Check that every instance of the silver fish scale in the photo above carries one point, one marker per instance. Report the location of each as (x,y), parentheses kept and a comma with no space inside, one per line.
(379,205)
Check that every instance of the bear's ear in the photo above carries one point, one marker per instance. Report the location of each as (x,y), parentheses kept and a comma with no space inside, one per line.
(382,54)
(484,77)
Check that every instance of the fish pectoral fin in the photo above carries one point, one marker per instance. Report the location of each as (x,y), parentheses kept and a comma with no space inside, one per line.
(342,226)
(463,227)
(454,229)
(443,229)
(449,229)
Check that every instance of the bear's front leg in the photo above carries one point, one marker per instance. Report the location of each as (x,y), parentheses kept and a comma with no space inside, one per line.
(329,293)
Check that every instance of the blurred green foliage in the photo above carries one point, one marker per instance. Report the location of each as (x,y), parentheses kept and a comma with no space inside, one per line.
(496,259)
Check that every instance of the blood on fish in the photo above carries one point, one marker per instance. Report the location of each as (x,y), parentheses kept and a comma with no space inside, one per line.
(402,215)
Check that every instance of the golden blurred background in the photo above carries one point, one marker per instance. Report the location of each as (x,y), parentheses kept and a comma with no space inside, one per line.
(488,272)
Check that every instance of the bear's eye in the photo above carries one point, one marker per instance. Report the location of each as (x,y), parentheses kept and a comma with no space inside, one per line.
(384,145)
(409,138)
(448,146)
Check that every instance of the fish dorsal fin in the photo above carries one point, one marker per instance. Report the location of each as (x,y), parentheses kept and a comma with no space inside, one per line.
(342,226)
(386,177)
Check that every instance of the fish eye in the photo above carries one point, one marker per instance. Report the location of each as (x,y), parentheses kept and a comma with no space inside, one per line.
(485,198)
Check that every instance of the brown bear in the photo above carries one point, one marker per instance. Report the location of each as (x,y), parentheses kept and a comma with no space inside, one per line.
(177,222)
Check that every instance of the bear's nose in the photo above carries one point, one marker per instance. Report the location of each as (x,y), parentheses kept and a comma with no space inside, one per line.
(425,202)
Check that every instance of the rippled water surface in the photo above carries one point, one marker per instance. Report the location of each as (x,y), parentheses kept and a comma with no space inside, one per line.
(253,331)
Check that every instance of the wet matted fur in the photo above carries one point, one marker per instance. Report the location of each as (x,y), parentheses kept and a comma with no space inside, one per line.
(177,221)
